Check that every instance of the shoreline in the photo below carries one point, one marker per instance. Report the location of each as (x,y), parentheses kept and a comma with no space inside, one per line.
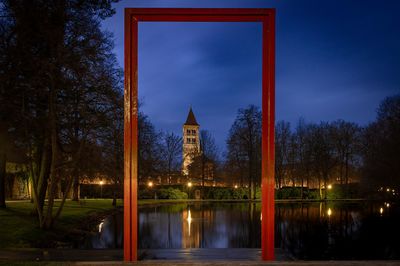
(151,201)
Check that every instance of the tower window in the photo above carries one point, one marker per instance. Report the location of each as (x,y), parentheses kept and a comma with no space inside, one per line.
(193,140)
(188,140)
(194,132)
(188,131)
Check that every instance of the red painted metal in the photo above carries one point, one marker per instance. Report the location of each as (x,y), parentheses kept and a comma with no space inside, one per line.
(130,139)
(268,139)
(135,15)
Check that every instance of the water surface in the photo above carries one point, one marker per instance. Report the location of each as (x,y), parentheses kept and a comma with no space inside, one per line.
(304,231)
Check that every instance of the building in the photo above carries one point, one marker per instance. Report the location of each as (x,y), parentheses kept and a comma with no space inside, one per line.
(191,141)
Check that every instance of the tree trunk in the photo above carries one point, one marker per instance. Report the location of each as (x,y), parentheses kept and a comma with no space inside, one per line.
(341,173)
(42,181)
(75,187)
(302,186)
(114,202)
(319,188)
(48,221)
(202,176)
(241,177)
(250,176)
(346,175)
(250,195)
(3,179)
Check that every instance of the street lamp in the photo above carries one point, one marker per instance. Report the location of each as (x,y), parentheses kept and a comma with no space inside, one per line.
(329,186)
(189,185)
(150,185)
(236,186)
(101,188)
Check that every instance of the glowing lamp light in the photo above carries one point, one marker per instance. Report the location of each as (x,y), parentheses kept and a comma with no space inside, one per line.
(388,189)
(329,212)
(329,186)
(101,182)
(381,210)
(189,184)
(150,184)
(236,186)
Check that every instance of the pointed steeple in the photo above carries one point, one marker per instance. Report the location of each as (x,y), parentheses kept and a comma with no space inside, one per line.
(191,119)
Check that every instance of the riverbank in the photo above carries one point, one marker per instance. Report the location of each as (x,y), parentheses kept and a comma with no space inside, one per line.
(19,229)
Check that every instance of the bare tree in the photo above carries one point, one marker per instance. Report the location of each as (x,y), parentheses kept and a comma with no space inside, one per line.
(171,152)
(58,49)
(282,137)
(236,160)
(381,147)
(324,159)
(149,154)
(346,138)
(304,153)
(245,134)
(206,160)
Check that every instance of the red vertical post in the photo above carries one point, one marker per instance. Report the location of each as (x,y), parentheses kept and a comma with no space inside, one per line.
(130,139)
(268,138)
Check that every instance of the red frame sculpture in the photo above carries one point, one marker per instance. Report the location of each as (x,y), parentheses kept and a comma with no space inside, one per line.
(132,17)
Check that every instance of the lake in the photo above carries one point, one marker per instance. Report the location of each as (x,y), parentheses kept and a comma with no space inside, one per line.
(310,231)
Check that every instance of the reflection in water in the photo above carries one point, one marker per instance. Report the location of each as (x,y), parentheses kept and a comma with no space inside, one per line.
(329,212)
(189,220)
(306,231)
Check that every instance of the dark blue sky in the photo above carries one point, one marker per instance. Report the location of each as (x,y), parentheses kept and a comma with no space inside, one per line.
(334,60)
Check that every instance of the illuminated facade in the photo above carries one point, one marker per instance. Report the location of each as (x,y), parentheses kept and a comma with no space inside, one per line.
(191,141)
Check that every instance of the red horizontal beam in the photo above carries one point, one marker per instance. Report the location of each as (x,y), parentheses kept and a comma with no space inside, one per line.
(200,14)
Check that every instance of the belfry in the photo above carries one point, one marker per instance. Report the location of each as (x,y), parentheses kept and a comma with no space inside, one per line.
(191,141)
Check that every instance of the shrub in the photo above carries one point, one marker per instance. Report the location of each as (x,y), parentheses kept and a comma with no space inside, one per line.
(219,193)
(289,193)
(239,193)
(311,194)
(145,193)
(171,193)
(258,193)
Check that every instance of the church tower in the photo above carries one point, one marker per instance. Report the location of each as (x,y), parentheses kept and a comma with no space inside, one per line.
(191,141)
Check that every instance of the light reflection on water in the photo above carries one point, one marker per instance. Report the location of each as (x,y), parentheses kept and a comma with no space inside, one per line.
(199,226)
(306,231)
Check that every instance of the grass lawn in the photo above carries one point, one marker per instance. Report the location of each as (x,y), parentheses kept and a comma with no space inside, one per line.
(19,229)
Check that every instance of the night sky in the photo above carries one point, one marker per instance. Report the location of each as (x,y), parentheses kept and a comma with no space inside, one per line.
(334,60)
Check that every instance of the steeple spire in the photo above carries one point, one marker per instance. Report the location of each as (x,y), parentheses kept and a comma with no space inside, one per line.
(191,119)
